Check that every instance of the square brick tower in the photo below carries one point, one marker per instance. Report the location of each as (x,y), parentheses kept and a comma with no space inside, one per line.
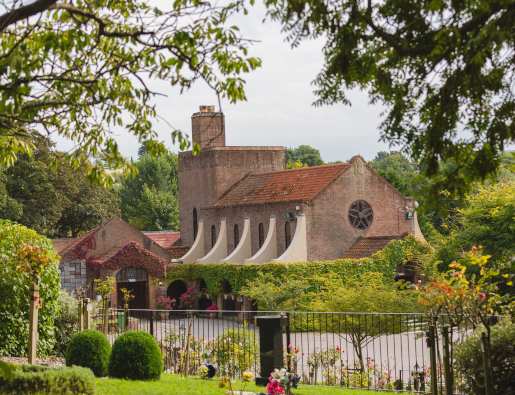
(205,177)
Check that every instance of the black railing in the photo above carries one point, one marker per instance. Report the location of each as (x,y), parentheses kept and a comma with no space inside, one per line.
(352,350)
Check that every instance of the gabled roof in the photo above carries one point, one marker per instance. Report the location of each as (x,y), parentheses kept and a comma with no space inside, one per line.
(281,186)
(164,238)
(69,249)
(369,245)
(61,243)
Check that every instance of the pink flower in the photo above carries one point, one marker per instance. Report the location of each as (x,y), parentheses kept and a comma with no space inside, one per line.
(474,248)
(225,341)
(455,274)
(290,346)
(241,345)
(480,247)
(482,296)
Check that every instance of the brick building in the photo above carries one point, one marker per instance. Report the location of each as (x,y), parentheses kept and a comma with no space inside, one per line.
(114,240)
(241,205)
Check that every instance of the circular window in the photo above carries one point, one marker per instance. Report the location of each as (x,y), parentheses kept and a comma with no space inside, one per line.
(360,214)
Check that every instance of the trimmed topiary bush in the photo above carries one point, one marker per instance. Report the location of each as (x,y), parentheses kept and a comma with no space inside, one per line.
(136,356)
(42,380)
(469,360)
(89,349)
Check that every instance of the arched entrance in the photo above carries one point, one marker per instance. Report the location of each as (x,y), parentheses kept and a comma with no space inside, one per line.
(175,290)
(228,302)
(204,302)
(135,279)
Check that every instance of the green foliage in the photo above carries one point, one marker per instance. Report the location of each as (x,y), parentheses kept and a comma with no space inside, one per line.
(43,380)
(89,349)
(238,276)
(150,200)
(438,67)
(66,323)
(56,203)
(79,70)
(235,350)
(273,294)
(16,279)
(136,356)
(469,360)
(368,293)
(303,154)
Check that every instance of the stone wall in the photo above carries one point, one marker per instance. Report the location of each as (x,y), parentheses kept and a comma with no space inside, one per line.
(72,274)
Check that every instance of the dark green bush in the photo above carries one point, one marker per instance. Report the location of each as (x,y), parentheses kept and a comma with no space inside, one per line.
(469,360)
(89,349)
(136,356)
(42,380)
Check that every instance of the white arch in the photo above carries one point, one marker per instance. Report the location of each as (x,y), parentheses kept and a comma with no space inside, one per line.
(197,250)
(219,250)
(298,249)
(268,250)
(243,249)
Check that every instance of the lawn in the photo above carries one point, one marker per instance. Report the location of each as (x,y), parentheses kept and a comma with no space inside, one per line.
(173,384)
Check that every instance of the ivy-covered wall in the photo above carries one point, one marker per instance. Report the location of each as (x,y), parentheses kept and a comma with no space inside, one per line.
(385,261)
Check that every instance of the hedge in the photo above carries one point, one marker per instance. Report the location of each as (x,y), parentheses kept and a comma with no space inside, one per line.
(38,379)
(385,261)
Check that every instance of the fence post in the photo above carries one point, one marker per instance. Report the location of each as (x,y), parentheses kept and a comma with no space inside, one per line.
(288,341)
(106,317)
(431,343)
(81,315)
(87,323)
(486,364)
(125,317)
(33,323)
(152,323)
(449,380)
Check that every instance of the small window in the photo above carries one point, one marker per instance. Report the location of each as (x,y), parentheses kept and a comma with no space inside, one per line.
(195,224)
(261,235)
(213,236)
(236,236)
(287,234)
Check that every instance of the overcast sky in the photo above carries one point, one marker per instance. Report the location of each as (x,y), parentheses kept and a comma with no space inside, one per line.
(279,110)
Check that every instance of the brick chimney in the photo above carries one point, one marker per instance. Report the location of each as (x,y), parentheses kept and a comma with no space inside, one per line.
(208,127)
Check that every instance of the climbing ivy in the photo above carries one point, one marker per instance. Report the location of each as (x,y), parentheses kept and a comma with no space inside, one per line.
(385,262)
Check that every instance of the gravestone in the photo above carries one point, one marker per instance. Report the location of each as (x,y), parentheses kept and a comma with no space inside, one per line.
(271,345)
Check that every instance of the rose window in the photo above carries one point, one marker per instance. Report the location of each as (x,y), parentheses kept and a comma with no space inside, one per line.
(361,214)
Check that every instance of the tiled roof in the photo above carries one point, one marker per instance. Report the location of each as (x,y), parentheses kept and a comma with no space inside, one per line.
(178,251)
(165,239)
(62,243)
(281,186)
(367,246)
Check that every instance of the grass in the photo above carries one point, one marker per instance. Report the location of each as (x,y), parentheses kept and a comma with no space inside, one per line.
(173,384)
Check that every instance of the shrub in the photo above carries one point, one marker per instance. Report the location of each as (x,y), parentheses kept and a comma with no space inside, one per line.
(469,360)
(66,323)
(235,350)
(15,281)
(89,349)
(136,356)
(41,380)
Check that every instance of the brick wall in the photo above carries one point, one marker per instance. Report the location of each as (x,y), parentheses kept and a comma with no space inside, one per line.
(208,129)
(330,232)
(205,177)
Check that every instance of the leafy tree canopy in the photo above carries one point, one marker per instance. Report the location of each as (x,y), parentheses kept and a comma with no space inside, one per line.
(80,70)
(150,200)
(304,154)
(443,69)
(56,203)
